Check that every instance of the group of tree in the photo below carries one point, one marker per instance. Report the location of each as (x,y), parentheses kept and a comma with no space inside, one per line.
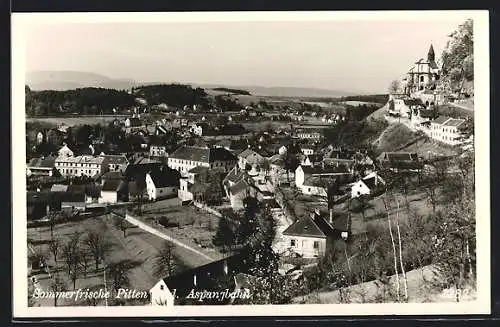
(252,232)
(227,103)
(444,238)
(80,254)
(458,58)
(84,101)
(234,91)
(176,95)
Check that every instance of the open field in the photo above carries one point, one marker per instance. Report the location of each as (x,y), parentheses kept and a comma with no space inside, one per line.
(77,120)
(359,103)
(188,224)
(138,249)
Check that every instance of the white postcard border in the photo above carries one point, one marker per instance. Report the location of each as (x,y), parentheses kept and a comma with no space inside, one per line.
(482,169)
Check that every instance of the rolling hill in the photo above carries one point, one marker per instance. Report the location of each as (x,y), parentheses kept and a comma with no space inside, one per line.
(67,80)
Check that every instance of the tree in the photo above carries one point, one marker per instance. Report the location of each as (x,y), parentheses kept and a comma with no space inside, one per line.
(57,285)
(97,246)
(265,165)
(431,190)
(54,247)
(225,235)
(72,256)
(121,224)
(165,261)
(118,273)
(394,87)
(290,162)
(458,57)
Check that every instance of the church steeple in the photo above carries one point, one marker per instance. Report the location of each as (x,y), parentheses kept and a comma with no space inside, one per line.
(430,55)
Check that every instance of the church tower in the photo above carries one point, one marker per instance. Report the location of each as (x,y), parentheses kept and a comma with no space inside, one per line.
(430,55)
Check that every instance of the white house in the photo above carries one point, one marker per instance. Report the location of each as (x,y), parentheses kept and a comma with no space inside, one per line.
(40,137)
(313,235)
(307,150)
(447,130)
(250,158)
(161,183)
(158,151)
(115,162)
(64,151)
(366,185)
(111,191)
(161,295)
(80,166)
(41,166)
(185,158)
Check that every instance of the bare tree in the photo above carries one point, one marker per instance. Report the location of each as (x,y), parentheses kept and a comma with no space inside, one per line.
(394,87)
(118,272)
(54,247)
(57,285)
(165,260)
(121,224)
(393,250)
(97,246)
(405,281)
(72,255)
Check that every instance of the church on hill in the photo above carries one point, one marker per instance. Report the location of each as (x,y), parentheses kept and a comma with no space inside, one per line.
(423,75)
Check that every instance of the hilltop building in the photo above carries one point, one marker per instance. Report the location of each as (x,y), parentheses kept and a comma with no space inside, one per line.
(423,75)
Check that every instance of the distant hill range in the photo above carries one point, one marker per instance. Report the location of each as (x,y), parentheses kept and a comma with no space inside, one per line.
(68,80)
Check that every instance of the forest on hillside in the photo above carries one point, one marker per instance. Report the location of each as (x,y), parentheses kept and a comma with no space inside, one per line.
(458,60)
(84,101)
(176,95)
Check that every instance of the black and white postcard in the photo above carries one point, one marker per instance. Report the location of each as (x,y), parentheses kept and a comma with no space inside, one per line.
(215,164)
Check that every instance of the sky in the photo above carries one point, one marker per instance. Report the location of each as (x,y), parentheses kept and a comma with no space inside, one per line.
(352,56)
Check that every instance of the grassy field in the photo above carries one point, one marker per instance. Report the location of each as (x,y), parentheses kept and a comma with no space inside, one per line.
(138,249)
(188,224)
(394,137)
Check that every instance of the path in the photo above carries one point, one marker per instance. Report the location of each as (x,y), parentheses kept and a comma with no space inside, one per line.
(156,232)
(459,106)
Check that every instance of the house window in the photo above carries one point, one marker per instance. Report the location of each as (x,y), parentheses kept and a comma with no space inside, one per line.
(421,78)
(292,242)
(316,244)
(161,287)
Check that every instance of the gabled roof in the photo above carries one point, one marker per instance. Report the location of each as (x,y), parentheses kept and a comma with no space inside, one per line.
(115,159)
(240,186)
(454,122)
(322,170)
(441,120)
(202,154)
(235,174)
(308,227)
(47,162)
(165,177)
(111,185)
(198,170)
